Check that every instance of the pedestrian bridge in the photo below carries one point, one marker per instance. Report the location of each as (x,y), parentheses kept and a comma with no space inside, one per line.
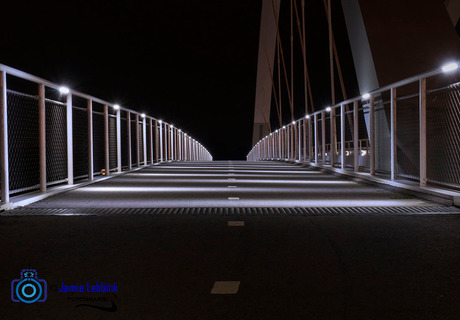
(55,139)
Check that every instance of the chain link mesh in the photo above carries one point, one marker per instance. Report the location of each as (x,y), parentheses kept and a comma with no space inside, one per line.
(23,142)
(56,141)
(112,142)
(98,142)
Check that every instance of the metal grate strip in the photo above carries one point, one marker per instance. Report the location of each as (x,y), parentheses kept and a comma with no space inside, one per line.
(316,211)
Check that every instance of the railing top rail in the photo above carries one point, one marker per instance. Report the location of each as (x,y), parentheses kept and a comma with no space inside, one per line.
(27,76)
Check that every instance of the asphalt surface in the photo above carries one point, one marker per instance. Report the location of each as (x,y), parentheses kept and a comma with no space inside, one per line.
(211,184)
(351,266)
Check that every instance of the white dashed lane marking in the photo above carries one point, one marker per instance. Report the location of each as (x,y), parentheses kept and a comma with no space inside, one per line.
(233,198)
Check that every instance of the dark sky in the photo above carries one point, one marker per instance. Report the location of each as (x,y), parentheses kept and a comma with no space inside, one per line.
(190,63)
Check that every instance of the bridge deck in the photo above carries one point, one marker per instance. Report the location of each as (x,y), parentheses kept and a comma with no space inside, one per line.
(312,265)
(226,184)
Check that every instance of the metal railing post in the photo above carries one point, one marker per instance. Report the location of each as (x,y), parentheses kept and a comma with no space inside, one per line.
(422,120)
(355,136)
(299,141)
(161,140)
(4,142)
(144,139)
(151,140)
(69,139)
(42,135)
(157,145)
(166,143)
(138,152)
(89,111)
(310,140)
(315,117)
(119,140)
(106,140)
(171,142)
(323,133)
(333,141)
(342,136)
(372,135)
(304,135)
(130,156)
(393,134)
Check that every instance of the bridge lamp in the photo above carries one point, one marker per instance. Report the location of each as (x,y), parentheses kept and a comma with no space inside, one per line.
(366,96)
(284,127)
(307,116)
(450,67)
(159,121)
(116,107)
(328,109)
(64,90)
(143,115)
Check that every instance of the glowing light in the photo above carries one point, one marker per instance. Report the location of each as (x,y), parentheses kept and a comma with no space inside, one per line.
(347,153)
(64,90)
(328,109)
(450,67)
(366,96)
(116,107)
(293,122)
(363,152)
(143,115)
(307,116)
(159,121)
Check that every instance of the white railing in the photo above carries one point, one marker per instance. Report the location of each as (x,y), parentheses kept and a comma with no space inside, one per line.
(167,143)
(306,140)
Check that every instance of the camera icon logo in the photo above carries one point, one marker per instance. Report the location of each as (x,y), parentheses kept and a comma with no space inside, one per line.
(28,289)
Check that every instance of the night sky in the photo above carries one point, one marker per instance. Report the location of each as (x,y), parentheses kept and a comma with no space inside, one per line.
(190,63)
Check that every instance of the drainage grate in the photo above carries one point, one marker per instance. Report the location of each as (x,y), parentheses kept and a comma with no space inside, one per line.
(317,211)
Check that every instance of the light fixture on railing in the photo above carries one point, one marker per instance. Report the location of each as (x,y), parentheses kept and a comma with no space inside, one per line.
(64,90)
(328,109)
(116,106)
(366,96)
(307,116)
(450,67)
(143,115)
(159,121)
(293,122)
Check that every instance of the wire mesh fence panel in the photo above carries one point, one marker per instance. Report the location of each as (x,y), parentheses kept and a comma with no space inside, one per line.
(112,142)
(327,125)
(407,136)
(141,144)
(134,160)
(319,141)
(382,132)
(23,142)
(80,142)
(443,136)
(98,142)
(124,142)
(56,141)
(149,140)
(363,136)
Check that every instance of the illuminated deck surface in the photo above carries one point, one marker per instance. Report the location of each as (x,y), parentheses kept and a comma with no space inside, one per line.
(226,184)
